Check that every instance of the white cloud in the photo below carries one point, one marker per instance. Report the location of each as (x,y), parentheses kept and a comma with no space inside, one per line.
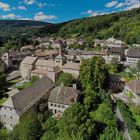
(22,7)
(14,8)
(13,16)
(41,5)
(97,14)
(88,12)
(40,16)
(50,5)
(111,4)
(91,13)
(121,4)
(132,1)
(29,2)
(4,6)
(22,18)
(10,16)
(133,6)
(129,4)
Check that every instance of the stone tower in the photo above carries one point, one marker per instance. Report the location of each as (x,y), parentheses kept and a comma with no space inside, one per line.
(60,60)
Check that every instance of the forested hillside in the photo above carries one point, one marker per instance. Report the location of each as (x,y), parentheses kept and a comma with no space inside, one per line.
(13,29)
(124,25)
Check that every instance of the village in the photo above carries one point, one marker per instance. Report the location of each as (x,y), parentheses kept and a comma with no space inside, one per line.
(52,57)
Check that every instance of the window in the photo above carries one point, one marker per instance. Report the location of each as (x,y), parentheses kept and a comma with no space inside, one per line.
(55,111)
(10,109)
(11,117)
(4,122)
(63,106)
(11,124)
(4,115)
(51,104)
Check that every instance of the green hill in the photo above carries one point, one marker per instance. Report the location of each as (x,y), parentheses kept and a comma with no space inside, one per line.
(124,25)
(13,29)
(21,23)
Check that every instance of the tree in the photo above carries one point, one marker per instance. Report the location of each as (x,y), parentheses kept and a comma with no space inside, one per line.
(3,83)
(135,135)
(34,78)
(92,99)
(76,122)
(51,129)
(65,78)
(10,44)
(114,66)
(93,73)
(29,128)
(111,133)
(3,134)
(104,114)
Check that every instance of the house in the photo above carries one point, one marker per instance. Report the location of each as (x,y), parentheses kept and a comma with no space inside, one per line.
(115,83)
(44,42)
(60,60)
(110,42)
(90,54)
(7,59)
(133,86)
(27,47)
(133,55)
(70,58)
(98,42)
(33,66)
(57,43)
(46,68)
(61,98)
(136,45)
(108,54)
(46,54)
(20,102)
(27,65)
(72,68)
(132,91)
(114,52)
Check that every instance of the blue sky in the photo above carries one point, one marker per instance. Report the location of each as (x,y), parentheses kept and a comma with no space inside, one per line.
(61,10)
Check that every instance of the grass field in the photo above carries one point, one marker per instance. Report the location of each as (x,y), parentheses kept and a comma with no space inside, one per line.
(24,86)
(2,101)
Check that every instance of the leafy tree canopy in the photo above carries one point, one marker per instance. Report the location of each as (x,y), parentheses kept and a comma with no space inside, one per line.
(65,78)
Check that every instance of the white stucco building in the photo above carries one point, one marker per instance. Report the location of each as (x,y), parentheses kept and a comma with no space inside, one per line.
(61,98)
(133,56)
(21,101)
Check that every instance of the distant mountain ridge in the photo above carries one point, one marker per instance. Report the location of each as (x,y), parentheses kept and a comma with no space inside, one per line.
(15,29)
(22,23)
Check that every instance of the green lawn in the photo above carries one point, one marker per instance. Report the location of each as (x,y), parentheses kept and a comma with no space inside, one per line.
(137,118)
(24,86)
(130,95)
(2,101)
(12,82)
(128,74)
(135,110)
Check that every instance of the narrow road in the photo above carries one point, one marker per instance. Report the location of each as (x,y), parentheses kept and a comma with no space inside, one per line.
(123,127)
